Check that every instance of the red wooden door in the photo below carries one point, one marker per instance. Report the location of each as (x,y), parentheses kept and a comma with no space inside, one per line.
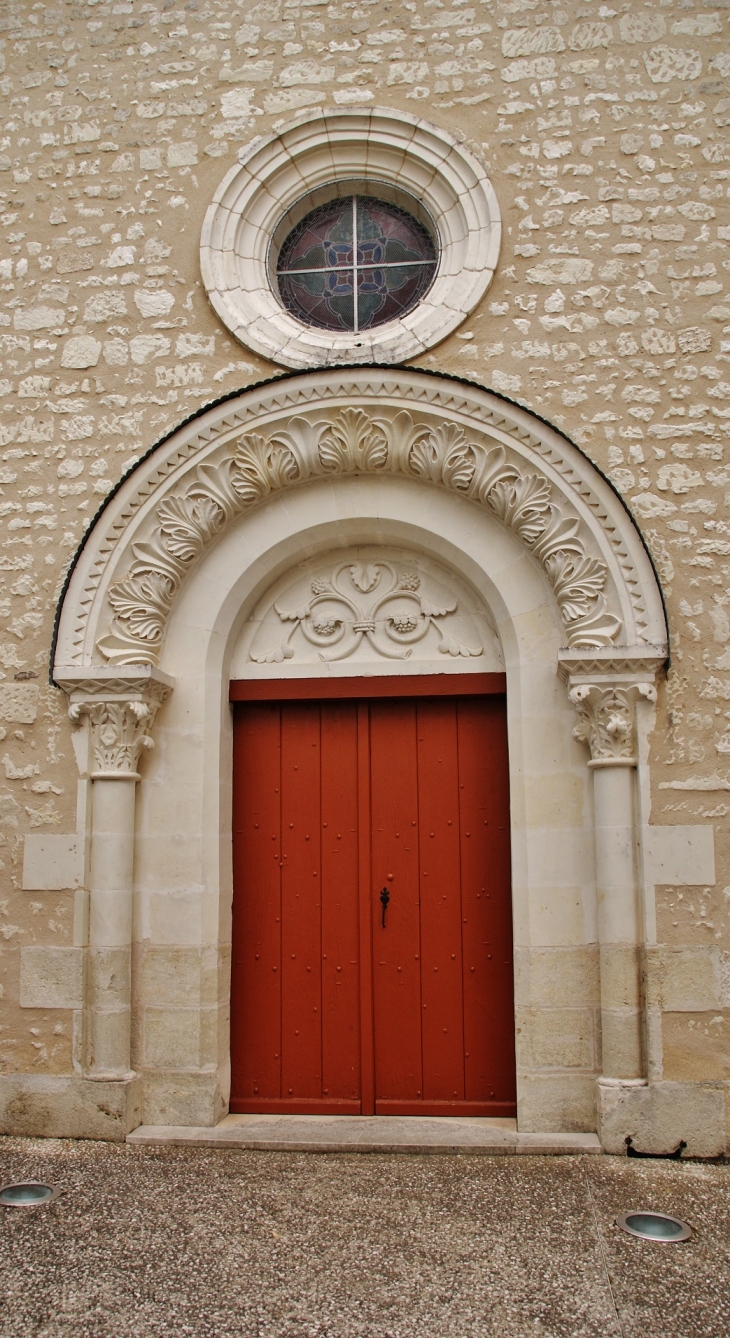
(332,1011)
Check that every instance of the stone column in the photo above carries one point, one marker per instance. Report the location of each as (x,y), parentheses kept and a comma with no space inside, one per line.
(120,707)
(606,724)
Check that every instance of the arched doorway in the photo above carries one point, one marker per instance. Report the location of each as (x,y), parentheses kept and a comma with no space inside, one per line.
(372,961)
(164,588)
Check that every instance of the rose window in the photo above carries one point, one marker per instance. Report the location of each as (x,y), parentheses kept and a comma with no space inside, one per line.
(355,263)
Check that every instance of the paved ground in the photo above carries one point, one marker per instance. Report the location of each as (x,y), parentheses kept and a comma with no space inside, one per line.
(150,1242)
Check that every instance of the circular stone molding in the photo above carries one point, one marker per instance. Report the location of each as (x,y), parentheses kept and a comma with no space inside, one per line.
(378,148)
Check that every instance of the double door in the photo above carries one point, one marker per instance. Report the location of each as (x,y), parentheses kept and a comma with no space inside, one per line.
(372,937)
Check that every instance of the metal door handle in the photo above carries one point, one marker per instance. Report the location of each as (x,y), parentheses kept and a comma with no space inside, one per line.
(384,899)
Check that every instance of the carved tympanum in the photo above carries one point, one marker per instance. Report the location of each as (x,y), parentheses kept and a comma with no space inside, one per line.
(606,719)
(373,600)
(355,442)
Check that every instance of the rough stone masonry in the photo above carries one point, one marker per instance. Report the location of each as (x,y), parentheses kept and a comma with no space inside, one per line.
(605,130)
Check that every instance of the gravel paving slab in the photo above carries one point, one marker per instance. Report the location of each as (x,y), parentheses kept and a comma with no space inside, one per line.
(667,1291)
(157,1241)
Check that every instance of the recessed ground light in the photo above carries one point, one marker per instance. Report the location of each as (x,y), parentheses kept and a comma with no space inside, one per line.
(654,1226)
(27,1194)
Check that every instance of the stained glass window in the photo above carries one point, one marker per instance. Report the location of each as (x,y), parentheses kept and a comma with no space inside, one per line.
(355,263)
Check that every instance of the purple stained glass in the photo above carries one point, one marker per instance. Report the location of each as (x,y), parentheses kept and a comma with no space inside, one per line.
(355,263)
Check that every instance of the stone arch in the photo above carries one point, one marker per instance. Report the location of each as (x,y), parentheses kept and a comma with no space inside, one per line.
(291,431)
(304,466)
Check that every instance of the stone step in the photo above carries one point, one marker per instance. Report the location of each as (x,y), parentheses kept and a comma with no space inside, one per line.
(362,1133)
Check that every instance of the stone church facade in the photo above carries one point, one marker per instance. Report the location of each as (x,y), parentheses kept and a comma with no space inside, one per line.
(355,351)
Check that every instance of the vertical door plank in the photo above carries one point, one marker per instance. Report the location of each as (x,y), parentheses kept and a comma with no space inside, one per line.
(396,949)
(487,902)
(441,966)
(256,932)
(340,912)
(365,900)
(301,901)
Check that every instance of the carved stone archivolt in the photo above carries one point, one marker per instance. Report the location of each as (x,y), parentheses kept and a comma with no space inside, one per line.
(234,455)
(349,442)
(387,605)
(606,719)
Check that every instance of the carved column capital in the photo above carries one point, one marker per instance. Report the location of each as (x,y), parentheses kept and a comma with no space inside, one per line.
(606,719)
(119,732)
(120,707)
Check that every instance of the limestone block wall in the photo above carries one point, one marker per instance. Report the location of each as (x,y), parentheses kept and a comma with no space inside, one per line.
(605,131)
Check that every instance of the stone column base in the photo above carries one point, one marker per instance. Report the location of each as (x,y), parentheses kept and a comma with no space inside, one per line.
(658,1115)
(183,1099)
(40,1106)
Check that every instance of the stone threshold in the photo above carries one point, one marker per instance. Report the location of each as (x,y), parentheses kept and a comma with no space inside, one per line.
(363,1133)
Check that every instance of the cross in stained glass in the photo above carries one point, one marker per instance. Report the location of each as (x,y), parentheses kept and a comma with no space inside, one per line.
(355,263)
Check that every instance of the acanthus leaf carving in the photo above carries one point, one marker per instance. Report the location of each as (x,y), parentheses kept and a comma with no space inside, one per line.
(156,557)
(301,438)
(444,456)
(559,535)
(217,486)
(120,726)
(523,504)
(492,468)
(606,719)
(142,603)
(402,434)
(263,466)
(595,629)
(354,442)
(577,582)
(187,522)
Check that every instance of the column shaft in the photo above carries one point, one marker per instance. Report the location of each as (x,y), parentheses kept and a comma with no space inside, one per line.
(110,926)
(618,920)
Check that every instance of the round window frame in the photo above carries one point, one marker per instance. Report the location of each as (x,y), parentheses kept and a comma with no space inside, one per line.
(320,152)
(382,191)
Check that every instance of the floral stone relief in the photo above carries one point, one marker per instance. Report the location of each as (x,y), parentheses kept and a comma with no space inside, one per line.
(352,441)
